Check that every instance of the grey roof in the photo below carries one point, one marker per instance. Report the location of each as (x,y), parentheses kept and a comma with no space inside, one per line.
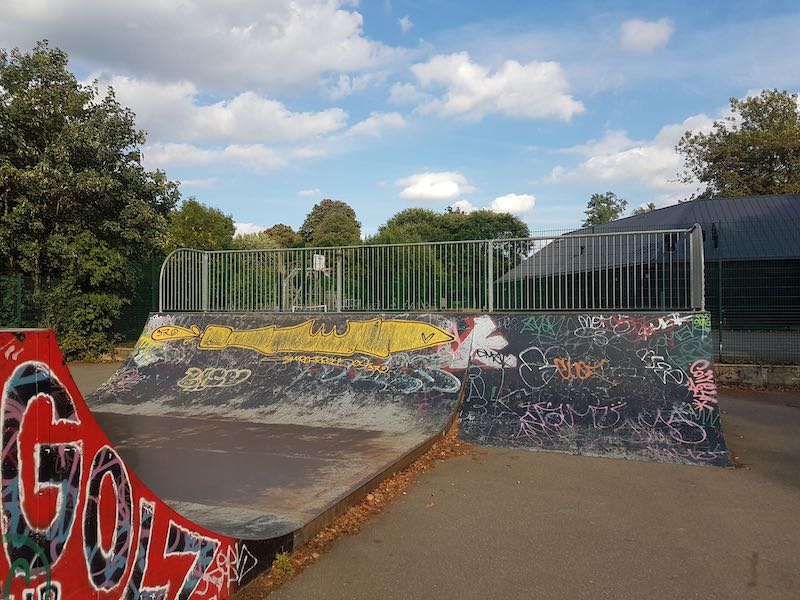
(759,227)
(753,227)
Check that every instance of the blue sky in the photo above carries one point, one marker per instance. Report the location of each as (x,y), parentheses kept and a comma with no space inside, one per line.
(263,108)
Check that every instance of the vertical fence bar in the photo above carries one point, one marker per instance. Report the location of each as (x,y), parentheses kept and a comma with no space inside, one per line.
(339,280)
(490,275)
(204,277)
(697,268)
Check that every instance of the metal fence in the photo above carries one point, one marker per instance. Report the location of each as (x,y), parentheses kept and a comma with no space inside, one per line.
(638,270)
(752,291)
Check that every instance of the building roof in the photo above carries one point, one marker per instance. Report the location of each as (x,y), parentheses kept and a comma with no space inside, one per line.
(752,227)
(759,227)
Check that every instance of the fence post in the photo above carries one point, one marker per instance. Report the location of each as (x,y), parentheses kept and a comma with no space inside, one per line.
(490,274)
(697,268)
(339,278)
(204,283)
(720,309)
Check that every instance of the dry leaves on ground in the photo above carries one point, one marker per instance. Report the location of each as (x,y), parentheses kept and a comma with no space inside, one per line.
(350,523)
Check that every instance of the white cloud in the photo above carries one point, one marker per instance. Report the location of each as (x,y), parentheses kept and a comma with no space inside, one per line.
(174,111)
(641,36)
(195,184)
(219,45)
(407,93)
(247,228)
(613,140)
(617,158)
(309,193)
(516,204)
(310,151)
(405,24)
(471,91)
(434,187)
(344,84)
(376,124)
(372,127)
(254,156)
(247,129)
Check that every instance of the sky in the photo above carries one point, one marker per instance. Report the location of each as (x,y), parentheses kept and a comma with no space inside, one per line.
(264,107)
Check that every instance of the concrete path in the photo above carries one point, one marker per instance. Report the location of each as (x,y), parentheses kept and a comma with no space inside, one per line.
(509,524)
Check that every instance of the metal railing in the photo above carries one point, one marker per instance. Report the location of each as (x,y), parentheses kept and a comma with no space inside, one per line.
(638,270)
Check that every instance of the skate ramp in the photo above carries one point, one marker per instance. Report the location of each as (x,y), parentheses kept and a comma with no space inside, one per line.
(634,386)
(255,425)
(227,438)
(77,521)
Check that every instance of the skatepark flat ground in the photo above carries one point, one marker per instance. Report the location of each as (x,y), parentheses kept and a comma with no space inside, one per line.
(517,524)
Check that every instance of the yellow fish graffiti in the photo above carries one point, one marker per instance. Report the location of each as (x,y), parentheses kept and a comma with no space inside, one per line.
(375,337)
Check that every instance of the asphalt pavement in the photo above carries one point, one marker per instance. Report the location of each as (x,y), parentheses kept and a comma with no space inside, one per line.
(511,524)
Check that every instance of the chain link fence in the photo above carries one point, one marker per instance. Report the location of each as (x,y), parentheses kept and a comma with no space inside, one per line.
(754,301)
(18,303)
(752,289)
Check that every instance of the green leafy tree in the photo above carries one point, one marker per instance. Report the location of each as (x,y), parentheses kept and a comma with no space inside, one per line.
(483,225)
(754,151)
(644,209)
(603,208)
(337,230)
(411,225)
(284,236)
(79,215)
(253,241)
(423,225)
(195,225)
(331,223)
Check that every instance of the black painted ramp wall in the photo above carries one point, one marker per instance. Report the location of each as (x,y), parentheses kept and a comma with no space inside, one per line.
(618,385)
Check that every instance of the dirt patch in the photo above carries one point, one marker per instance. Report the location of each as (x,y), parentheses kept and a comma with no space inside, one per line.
(350,523)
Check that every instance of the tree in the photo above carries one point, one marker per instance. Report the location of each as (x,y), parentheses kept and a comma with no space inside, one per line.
(411,225)
(603,208)
(336,229)
(644,209)
(423,225)
(754,151)
(284,236)
(484,225)
(253,241)
(79,215)
(342,229)
(195,225)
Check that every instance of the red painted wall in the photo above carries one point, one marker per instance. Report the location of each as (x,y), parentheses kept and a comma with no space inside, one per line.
(76,522)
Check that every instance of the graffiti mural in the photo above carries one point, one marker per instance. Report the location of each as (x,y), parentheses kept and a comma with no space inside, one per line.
(626,386)
(75,522)
(374,337)
(403,372)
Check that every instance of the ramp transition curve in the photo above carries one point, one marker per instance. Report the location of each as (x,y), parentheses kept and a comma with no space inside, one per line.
(227,438)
